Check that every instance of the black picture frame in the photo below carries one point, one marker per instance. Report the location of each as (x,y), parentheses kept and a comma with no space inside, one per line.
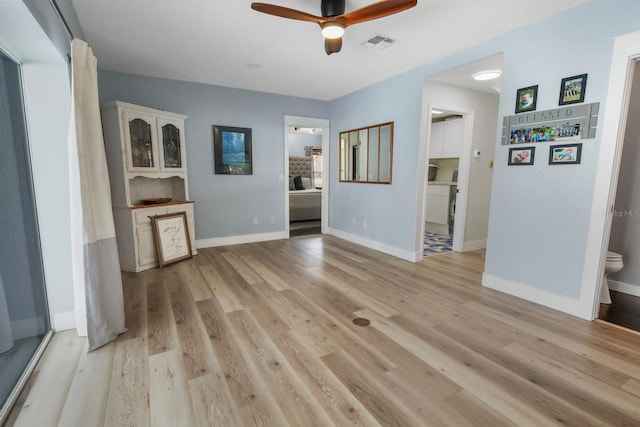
(565,154)
(521,156)
(526,99)
(232,150)
(573,89)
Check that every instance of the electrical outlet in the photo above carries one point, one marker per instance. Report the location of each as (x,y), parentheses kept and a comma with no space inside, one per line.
(353,221)
(271,220)
(255,220)
(364,224)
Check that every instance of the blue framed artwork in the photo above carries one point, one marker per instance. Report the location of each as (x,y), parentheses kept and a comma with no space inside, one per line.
(232,150)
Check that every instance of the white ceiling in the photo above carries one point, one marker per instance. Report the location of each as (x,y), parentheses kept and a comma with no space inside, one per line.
(463,75)
(227,43)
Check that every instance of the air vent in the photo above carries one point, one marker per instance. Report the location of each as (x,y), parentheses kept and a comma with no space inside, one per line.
(379,42)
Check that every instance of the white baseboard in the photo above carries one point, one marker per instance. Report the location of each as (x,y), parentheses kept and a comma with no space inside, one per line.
(625,288)
(236,240)
(539,296)
(63,321)
(253,238)
(378,246)
(475,245)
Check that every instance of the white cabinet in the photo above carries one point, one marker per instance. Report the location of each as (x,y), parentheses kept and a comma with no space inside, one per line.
(446,139)
(437,202)
(437,139)
(146,157)
(145,242)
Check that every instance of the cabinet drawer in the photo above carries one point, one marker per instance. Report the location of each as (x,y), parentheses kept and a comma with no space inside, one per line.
(142,215)
(438,190)
(187,207)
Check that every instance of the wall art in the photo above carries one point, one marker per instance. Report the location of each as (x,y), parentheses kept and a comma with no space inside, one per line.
(232,150)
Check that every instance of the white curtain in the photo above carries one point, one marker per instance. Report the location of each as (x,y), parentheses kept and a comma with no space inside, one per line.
(98,284)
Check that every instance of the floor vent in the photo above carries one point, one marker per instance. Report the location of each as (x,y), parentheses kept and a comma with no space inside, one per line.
(361,321)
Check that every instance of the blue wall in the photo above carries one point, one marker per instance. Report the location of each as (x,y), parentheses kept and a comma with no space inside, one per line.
(225,205)
(297,142)
(389,210)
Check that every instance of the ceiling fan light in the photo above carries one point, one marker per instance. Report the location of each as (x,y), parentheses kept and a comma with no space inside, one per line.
(487,75)
(332,31)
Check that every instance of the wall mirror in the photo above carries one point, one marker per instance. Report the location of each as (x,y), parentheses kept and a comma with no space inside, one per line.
(366,154)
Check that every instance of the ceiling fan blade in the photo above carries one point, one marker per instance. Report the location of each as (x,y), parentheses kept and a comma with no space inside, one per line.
(285,12)
(332,45)
(377,10)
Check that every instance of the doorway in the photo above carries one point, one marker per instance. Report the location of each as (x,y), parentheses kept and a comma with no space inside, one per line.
(624,285)
(24,313)
(460,130)
(443,231)
(306,149)
(626,51)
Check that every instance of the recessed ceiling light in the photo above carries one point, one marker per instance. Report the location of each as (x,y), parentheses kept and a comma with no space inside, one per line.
(436,112)
(487,75)
(254,66)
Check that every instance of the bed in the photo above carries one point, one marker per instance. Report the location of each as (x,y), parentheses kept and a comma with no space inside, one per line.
(304,204)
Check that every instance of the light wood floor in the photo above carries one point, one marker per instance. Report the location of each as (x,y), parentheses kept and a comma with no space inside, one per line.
(262,334)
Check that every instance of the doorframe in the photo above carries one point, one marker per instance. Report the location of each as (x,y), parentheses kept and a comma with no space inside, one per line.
(464,168)
(626,50)
(308,122)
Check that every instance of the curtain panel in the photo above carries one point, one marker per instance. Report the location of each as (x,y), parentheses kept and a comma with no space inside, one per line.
(99,292)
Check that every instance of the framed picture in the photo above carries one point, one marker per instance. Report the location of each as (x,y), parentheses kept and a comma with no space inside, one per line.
(568,154)
(521,156)
(526,99)
(572,89)
(232,150)
(171,233)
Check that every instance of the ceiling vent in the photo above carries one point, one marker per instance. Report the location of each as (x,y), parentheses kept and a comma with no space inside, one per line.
(379,42)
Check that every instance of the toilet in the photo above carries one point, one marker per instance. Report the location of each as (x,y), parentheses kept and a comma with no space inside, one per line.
(613,265)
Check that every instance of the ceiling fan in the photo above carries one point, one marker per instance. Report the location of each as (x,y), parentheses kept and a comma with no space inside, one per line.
(333,20)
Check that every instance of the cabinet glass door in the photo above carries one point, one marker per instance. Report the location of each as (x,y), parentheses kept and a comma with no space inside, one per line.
(171,146)
(141,144)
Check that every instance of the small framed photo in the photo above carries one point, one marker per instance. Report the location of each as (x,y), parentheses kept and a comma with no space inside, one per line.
(521,156)
(171,234)
(526,99)
(572,89)
(232,150)
(568,154)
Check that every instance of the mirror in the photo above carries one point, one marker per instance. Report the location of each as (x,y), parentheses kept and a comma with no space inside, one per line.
(366,154)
